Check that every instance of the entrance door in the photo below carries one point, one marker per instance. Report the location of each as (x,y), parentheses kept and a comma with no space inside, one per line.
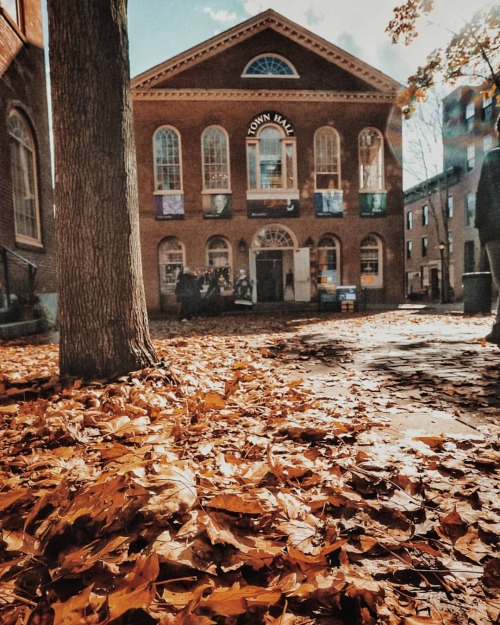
(302,273)
(434,283)
(269,275)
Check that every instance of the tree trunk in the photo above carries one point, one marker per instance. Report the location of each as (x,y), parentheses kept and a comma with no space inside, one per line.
(102,308)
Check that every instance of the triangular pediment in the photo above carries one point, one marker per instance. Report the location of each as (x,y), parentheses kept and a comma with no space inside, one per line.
(232,48)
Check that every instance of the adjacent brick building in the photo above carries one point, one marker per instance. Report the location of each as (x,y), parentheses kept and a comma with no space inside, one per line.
(26,204)
(442,210)
(268,149)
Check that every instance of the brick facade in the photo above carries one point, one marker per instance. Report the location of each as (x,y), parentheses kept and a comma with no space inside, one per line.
(23,89)
(205,87)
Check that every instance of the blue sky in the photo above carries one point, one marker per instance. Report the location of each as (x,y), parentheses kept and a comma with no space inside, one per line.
(160,29)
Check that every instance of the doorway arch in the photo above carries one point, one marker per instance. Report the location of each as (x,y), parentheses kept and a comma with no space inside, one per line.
(272,263)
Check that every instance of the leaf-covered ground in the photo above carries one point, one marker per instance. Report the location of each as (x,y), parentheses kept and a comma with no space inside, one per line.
(265,472)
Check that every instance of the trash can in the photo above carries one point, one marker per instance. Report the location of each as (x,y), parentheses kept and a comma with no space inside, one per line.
(477,292)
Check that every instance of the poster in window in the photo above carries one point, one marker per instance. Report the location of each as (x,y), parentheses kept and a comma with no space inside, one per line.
(372,204)
(169,206)
(328,203)
(273,208)
(220,207)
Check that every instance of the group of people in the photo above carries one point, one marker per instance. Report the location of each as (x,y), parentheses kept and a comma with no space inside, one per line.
(200,295)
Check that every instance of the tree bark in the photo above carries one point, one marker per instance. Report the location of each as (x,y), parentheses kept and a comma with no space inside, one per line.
(102,308)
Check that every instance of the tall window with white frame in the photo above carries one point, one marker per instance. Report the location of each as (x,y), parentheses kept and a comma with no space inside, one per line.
(219,261)
(424,247)
(167,159)
(371,160)
(271,160)
(215,155)
(327,159)
(449,207)
(470,209)
(328,261)
(371,262)
(469,115)
(24,180)
(425,215)
(470,157)
(171,261)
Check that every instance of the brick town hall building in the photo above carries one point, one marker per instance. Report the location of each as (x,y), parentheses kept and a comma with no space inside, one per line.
(268,149)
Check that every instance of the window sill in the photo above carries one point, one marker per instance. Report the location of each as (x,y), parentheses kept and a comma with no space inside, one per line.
(273,194)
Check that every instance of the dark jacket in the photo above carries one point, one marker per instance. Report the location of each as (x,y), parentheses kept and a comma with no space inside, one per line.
(488,198)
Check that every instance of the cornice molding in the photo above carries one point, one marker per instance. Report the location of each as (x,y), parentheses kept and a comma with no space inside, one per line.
(267,19)
(200,95)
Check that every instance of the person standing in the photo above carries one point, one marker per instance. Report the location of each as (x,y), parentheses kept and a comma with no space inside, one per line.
(488,221)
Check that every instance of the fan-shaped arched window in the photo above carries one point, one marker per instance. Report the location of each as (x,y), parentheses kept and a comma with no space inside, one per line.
(328,260)
(167,159)
(371,160)
(24,180)
(273,236)
(171,261)
(215,155)
(327,158)
(371,262)
(267,65)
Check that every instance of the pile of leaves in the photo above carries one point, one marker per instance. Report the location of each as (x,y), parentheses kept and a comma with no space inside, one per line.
(221,488)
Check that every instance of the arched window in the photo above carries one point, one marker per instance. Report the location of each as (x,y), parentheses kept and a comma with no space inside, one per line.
(273,236)
(327,158)
(219,261)
(167,160)
(271,160)
(371,262)
(171,261)
(215,155)
(24,180)
(328,260)
(371,160)
(267,65)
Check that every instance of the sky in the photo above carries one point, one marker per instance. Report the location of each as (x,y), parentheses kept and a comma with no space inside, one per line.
(160,29)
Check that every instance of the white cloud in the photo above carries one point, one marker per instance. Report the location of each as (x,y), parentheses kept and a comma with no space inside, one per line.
(222,16)
(358,26)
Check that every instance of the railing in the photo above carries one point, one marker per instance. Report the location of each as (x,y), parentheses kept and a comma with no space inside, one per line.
(18,272)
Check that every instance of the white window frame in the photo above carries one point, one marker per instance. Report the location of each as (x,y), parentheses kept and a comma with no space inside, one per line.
(171,261)
(449,207)
(175,190)
(282,59)
(288,188)
(487,143)
(470,113)
(217,171)
(327,163)
(371,161)
(469,209)
(24,173)
(217,248)
(470,157)
(371,252)
(425,215)
(328,275)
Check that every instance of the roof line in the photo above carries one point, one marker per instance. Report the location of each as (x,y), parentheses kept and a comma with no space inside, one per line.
(242,31)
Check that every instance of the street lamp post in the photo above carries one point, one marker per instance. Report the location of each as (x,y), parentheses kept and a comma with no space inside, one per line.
(441,252)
